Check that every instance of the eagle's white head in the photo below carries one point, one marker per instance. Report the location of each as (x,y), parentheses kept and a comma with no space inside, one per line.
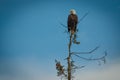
(72,11)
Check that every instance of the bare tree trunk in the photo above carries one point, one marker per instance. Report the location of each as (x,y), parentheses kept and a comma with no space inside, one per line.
(69,58)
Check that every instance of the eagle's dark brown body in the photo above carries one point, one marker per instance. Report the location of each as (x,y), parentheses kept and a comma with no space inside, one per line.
(72,22)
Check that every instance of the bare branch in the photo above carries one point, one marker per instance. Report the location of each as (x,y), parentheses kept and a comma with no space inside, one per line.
(78,67)
(83,17)
(91,59)
(86,52)
(63,25)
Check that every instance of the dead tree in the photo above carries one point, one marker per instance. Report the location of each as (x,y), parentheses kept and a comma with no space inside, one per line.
(71,67)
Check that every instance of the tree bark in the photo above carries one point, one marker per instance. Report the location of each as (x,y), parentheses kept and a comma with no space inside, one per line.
(69,58)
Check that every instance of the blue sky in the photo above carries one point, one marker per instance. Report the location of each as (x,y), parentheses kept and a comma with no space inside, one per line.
(31,37)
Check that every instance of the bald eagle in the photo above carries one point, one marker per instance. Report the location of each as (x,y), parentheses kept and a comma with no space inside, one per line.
(72,21)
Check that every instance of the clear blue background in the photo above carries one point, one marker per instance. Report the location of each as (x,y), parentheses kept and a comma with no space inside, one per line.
(31,36)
